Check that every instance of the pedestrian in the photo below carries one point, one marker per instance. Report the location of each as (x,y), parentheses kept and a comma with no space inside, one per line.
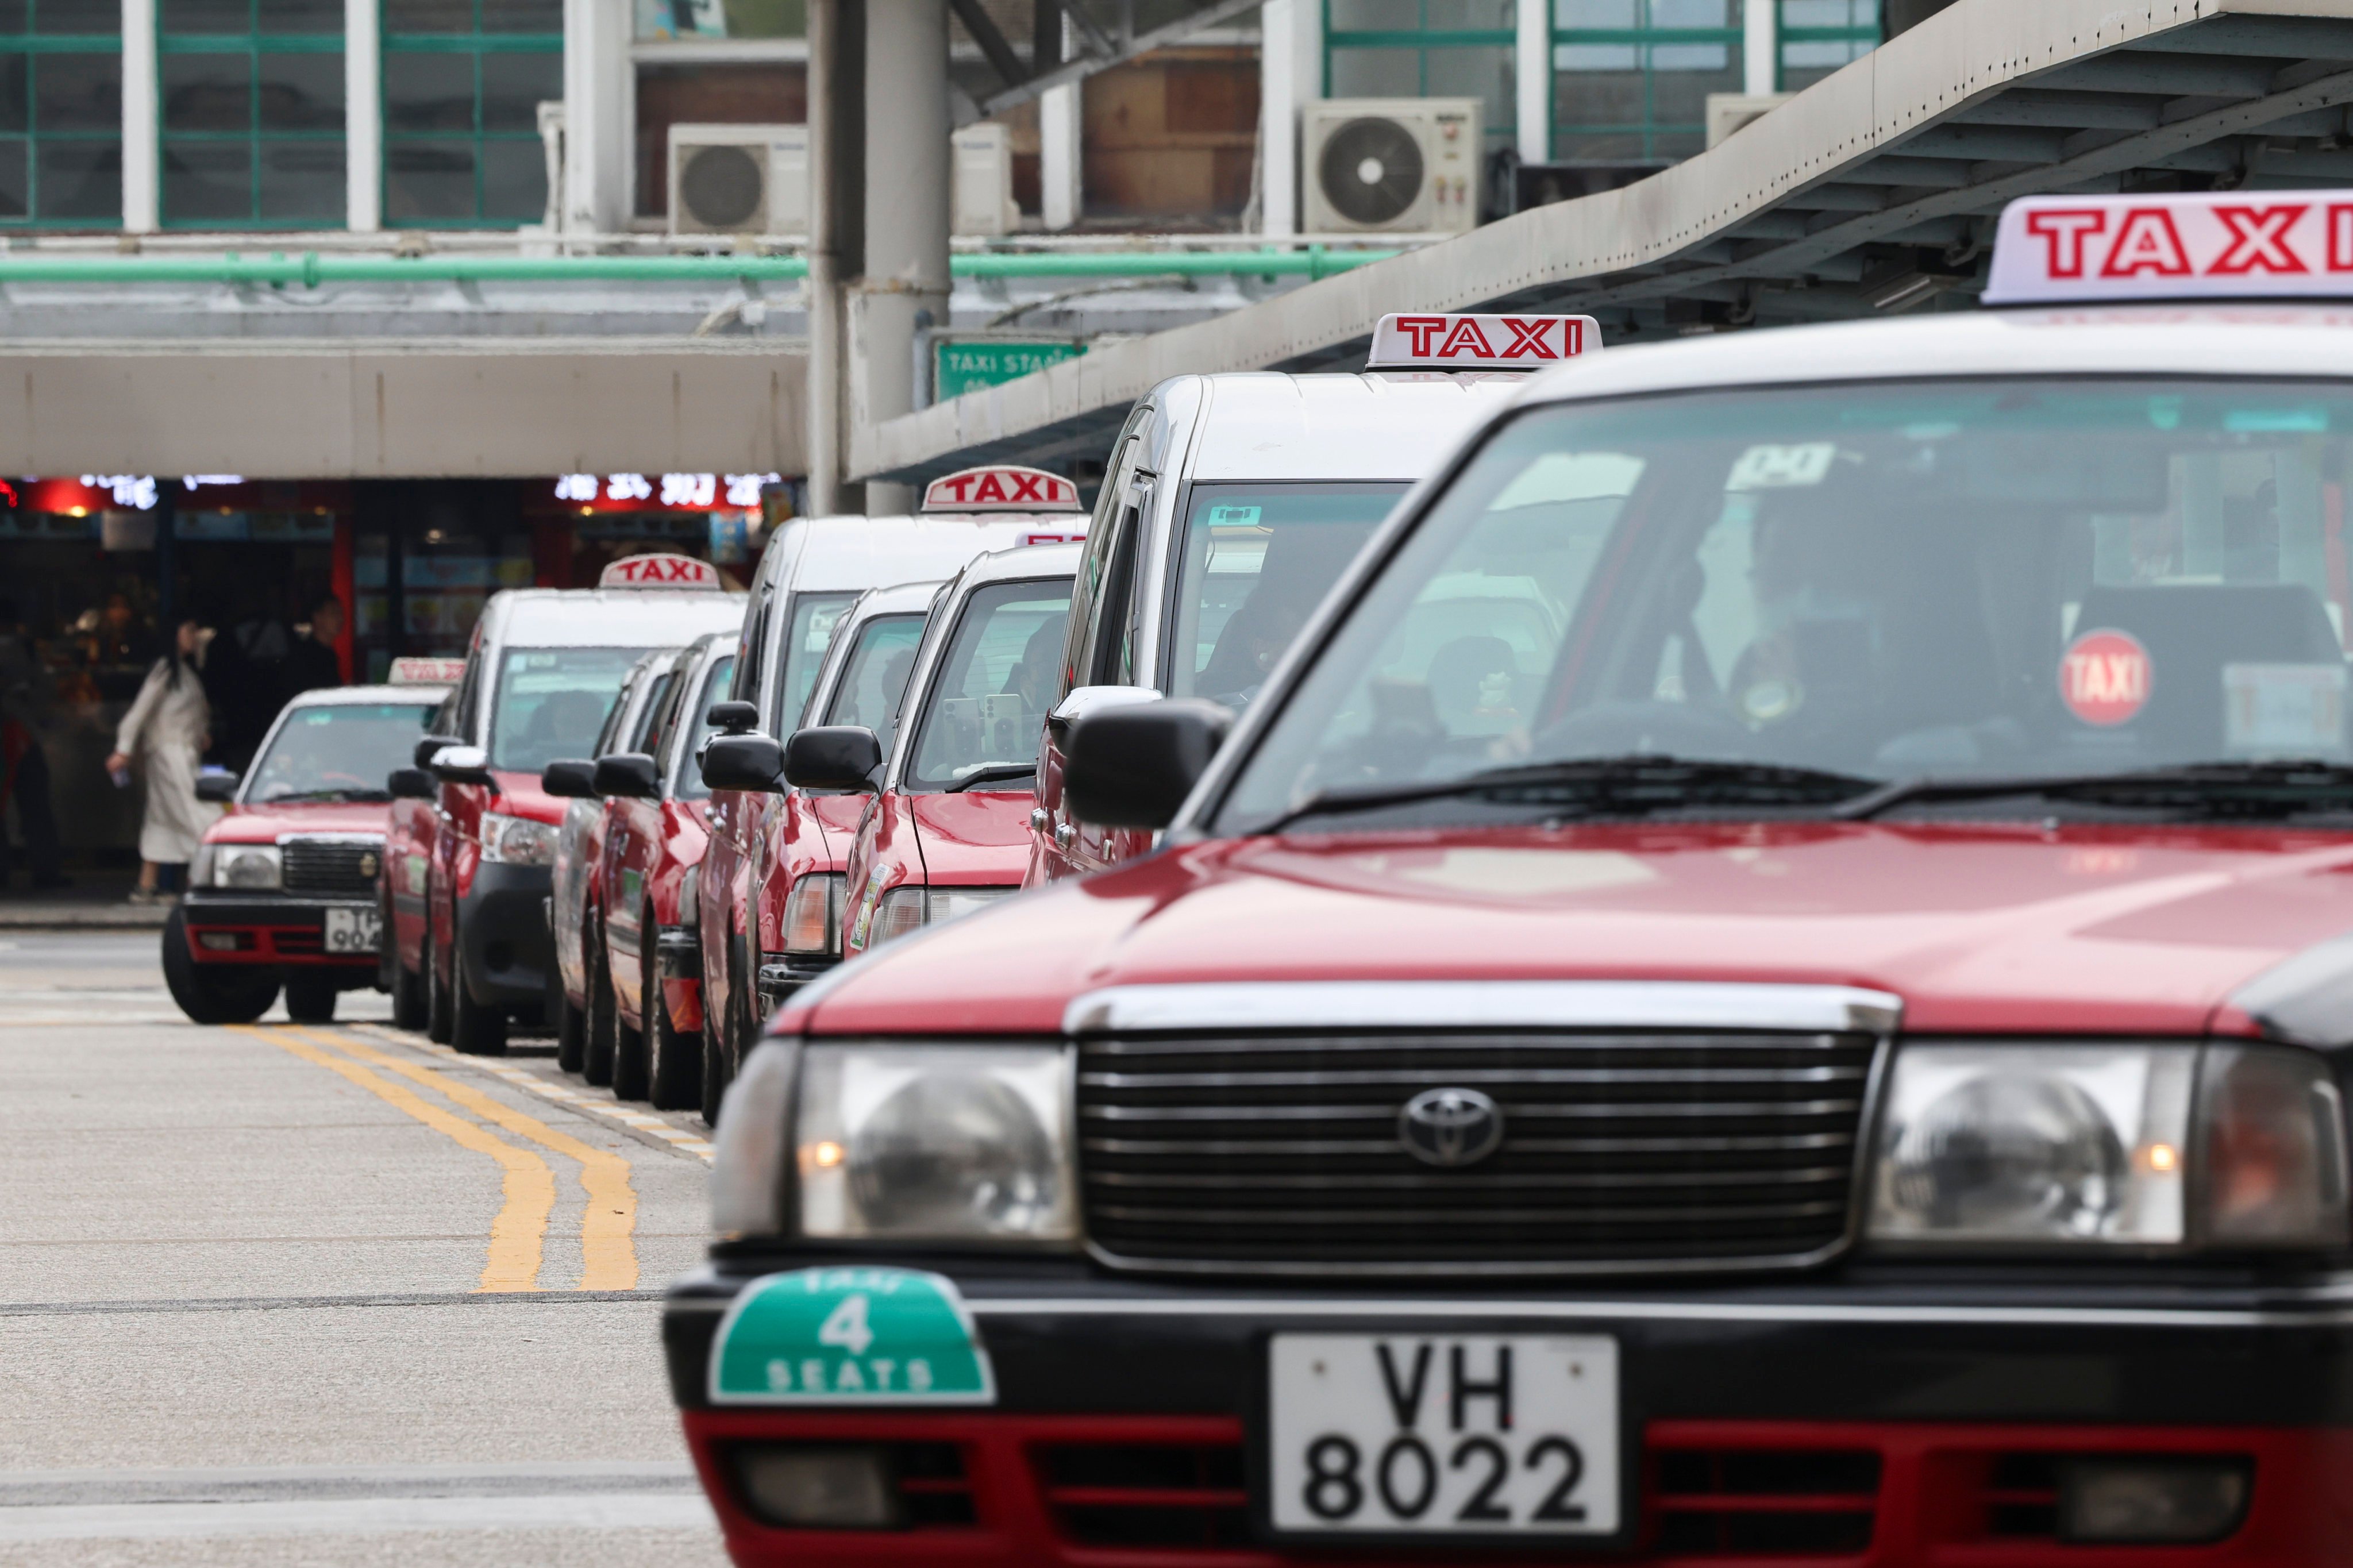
(314,660)
(23,767)
(167,729)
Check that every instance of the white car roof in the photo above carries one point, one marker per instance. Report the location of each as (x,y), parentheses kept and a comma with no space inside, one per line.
(1375,425)
(834,554)
(607,617)
(2269,341)
(344,696)
(1015,566)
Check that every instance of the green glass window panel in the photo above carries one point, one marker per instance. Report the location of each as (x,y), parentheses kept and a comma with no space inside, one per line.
(15,179)
(542,16)
(300,92)
(207,180)
(78,92)
(317,17)
(13,17)
(15,100)
(429,92)
(513,87)
(80,181)
(186,17)
(1376,73)
(207,92)
(1483,72)
(424,181)
(1594,16)
(301,180)
(91,17)
(514,180)
(427,17)
(1374,16)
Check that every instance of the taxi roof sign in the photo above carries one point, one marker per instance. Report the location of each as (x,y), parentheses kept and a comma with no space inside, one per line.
(1001,487)
(1414,341)
(661,569)
(411,670)
(2213,245)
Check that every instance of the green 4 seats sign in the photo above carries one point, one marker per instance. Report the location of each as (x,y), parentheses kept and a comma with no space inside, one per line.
(853,1337)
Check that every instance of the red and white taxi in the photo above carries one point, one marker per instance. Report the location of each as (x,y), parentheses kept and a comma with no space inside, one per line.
(539,679)
(765,848)
(1232,504)
(282,892)
(1814,1029)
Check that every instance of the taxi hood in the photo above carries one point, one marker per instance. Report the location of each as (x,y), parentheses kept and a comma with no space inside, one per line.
(973,837)
(1997,928)
(264,823)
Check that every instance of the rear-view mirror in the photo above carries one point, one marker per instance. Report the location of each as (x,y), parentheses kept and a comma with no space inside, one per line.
(631,775)
(754,763)
(834,756)
(409,784)
(734,718)
(1131,765)
(572,778)
(462,764)
(217,788)
(431,747)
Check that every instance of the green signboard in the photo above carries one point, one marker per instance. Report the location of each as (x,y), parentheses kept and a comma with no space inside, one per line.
(850,1337)
(965,364)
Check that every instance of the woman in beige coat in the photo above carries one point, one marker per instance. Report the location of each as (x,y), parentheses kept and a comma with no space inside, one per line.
(168,728)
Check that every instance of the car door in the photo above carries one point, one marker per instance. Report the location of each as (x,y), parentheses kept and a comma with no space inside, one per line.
(736,816)
(633,835)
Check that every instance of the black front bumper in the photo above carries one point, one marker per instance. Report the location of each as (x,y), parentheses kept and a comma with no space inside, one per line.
(506,951)
(1871,1343)
(272,928)
(781,975)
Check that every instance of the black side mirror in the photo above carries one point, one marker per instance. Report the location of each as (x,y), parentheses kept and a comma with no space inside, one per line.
(834,756)
(428,747)
(734,718)
(217,788)
(574,778)
(410,784)
(1133,766)
(754,763)
(632,775)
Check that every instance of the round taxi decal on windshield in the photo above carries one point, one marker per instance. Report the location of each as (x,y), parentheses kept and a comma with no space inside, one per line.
(2104,677)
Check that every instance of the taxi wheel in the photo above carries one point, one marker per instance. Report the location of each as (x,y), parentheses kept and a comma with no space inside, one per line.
(596,1054)
(436,996)
(407,995)
(714,1075)
(213,993)
(310,998)
(571,1031)
(673,1061)
(476,1030)
(631,1067)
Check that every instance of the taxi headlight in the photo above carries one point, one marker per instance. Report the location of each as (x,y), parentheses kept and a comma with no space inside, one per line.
(248,866)
(747,1157)
(952,1142)
(2037,1143)
(517,841)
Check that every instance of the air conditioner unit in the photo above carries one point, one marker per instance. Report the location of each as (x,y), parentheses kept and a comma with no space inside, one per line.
(739,179)
(1391,166)
(983,199)
(1728,112)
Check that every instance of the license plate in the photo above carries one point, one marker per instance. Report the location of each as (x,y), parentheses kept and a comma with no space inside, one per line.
(354,931)
(1486,1435)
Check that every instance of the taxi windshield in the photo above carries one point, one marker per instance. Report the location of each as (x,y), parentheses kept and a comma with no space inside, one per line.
(699,728)
(987,707)
(874,676)
(550,700)
(337,752)
(1816,593)
(807,631)
(1257,559)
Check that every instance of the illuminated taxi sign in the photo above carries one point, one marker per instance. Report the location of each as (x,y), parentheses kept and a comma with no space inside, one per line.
(418,671)
(1001,487)
(1405,341)
(2212,245)
(661,570)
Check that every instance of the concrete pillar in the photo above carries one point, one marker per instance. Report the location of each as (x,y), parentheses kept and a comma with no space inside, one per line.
(1291,71)
(1761,47)
(1061,174)
(599,163)
(909,167)
(363,116)
(1532,82)
(142,177)
(836,249)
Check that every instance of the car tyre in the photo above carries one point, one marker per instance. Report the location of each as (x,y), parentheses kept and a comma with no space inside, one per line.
(631,1068)
(408,990)
(438,1019)
(596,1056)
(673,1060)
(476,1029)
(571,1032)
(714,1070)
(213,993)
(310,998)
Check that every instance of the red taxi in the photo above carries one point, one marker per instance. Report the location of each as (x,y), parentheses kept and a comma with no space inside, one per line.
(282,892)
(539,680)
(945,825)
(1830,1050)
(811,572)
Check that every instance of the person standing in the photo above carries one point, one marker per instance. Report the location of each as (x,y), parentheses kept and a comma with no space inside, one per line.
(23,767)
(314,662)
(167,729)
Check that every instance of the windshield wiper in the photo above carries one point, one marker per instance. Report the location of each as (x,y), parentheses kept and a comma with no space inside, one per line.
(1633,785)
(357,795)
(997,773)
(2210,789)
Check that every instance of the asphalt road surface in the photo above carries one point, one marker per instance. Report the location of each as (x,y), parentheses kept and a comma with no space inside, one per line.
(290,1295)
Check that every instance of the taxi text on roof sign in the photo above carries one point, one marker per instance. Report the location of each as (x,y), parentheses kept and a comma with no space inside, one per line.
(1001,487)
(658,571)
(1404,341)
(420,672)
(2217,245)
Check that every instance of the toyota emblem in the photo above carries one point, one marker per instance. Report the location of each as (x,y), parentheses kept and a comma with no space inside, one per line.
(368,866)
(1450,1127)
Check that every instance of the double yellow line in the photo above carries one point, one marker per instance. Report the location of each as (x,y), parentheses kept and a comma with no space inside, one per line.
(608,1219)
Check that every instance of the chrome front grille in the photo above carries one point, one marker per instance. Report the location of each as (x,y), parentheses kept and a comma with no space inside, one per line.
(342,868)
(1622,1149)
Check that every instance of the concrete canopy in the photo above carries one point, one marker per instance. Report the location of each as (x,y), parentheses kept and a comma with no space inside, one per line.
(1875,189)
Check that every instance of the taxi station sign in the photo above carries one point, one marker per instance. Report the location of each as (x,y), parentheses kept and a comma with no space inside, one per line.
(2213,245)
(660,570)
(1435,341)
(855,1337)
